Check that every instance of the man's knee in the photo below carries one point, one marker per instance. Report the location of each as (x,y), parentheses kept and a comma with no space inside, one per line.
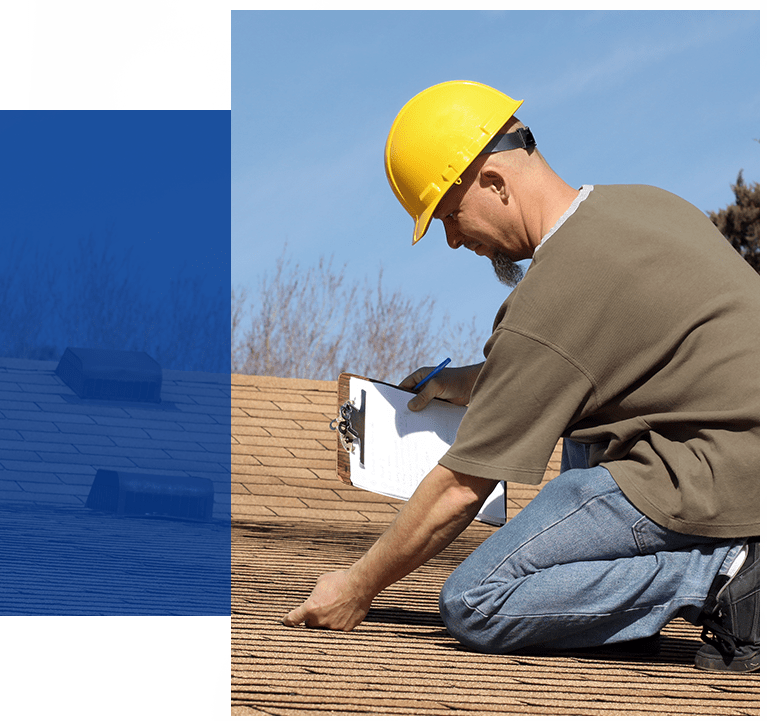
(454,612)
(464,621)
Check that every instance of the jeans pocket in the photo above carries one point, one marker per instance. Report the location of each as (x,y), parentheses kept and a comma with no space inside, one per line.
(652,538)
(648,535)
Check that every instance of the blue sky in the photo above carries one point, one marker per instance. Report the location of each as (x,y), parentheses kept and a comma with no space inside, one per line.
(663,98)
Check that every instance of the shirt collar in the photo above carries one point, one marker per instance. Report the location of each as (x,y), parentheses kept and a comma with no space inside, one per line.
(582,195)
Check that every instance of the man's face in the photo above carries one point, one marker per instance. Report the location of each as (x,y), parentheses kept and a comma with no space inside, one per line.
(472,219)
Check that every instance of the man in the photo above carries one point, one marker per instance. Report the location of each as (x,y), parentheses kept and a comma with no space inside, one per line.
(633,335)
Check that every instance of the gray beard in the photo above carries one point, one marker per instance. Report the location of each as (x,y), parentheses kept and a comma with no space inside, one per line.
(506,270)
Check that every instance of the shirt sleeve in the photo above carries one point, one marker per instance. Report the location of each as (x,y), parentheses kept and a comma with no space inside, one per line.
(525,397)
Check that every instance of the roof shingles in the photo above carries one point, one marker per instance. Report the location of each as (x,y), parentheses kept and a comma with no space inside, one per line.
(52,442)
(283,449)
(60,557)
(293,520)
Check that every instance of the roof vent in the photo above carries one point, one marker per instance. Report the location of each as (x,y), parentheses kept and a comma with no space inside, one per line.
(146,495)
(111,375)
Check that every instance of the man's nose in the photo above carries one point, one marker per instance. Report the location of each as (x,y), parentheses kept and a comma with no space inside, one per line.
(452,234)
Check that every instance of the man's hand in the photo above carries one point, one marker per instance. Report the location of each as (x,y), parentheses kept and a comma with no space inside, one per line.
(334,603)
(450,384)
(444,503)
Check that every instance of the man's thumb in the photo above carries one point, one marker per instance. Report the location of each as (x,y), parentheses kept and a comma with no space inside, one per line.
(418,403)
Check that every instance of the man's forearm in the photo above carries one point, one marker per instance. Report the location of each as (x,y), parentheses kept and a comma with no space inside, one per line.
(442,506)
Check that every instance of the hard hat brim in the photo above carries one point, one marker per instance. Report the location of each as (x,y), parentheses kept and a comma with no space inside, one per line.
(422,223)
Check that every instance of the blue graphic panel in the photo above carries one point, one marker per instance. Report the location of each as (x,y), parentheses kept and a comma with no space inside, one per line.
(114,375)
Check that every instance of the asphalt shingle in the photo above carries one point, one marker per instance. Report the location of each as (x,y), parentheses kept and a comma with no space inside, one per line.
(60,557)
(293,520)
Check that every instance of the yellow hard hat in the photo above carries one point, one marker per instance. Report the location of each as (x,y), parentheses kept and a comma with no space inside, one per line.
(435,137)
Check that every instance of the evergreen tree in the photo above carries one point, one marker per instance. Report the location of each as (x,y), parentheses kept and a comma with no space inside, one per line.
(739,221)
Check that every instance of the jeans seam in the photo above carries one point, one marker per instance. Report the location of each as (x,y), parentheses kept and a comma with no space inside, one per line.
(691,599)
(583,505)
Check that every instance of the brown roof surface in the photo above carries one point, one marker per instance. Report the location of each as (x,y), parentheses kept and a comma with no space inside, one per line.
(293,520)
(283,457)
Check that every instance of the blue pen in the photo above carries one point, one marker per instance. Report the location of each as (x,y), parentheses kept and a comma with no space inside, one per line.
(431,375)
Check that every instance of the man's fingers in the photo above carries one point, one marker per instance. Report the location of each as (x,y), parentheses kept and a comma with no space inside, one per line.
(420,401)
(415,378)
(428,392)
(296,617)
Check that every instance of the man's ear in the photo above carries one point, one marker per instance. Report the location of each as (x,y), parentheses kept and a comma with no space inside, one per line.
(491,178)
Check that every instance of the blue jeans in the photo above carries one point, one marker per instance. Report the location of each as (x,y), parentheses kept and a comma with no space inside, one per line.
(578,567)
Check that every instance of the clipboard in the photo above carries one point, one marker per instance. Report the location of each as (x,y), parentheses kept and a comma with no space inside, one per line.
(385,448)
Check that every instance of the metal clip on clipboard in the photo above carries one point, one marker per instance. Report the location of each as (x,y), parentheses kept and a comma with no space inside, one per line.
(350,425)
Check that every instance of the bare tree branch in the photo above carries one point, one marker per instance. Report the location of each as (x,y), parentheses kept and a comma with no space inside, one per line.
(312,323)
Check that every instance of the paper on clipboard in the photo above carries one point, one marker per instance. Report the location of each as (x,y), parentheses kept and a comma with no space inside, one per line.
(401,446)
